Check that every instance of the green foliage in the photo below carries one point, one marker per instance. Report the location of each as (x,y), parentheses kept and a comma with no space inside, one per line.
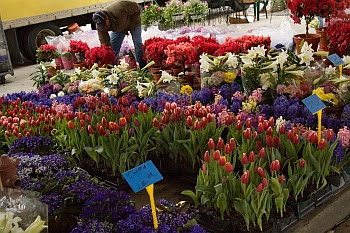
(40,77)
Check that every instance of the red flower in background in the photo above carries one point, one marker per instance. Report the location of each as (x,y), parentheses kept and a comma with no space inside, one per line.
(103,56)
(78,47)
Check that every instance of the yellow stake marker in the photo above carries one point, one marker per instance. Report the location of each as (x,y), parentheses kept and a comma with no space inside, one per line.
(150,191)
(340,70)
(319,117)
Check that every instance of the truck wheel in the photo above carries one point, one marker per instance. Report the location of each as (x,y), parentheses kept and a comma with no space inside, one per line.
(21,41)
(35,36)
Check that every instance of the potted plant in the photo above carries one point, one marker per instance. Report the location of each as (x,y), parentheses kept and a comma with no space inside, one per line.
(172,12)
(308,9)
(195,9)
(339,34)
(67,60)
(79,49)
(46,53)
(102,56)
(151,14)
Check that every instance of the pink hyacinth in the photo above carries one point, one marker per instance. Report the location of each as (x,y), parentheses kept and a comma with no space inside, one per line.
(256,95)
(344,136)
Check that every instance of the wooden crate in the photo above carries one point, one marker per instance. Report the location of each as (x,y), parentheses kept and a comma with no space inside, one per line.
(237,20)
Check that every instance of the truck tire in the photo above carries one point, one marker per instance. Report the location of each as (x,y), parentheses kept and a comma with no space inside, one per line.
(21,41)
(35,36)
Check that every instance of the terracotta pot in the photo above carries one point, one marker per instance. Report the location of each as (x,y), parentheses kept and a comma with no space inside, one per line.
(313,39)
(176,70)
(323,40)
(157,76)
(155,69)
(80,65)
(187,79)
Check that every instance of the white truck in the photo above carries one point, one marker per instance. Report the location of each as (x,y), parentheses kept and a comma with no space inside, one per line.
(27,23)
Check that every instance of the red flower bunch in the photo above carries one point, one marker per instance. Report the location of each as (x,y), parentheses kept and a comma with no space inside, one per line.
(154,49)
(78,47)
(230,45)
(339,11)
(103,55)
(181,54)
(308,9)
(46,53)
(205,45)
(339,37)
(182,39)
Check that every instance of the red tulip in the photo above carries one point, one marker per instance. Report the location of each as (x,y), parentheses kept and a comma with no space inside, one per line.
(276,142)
(232,144)
(216,155)
(104,122)
(281,179)
(90,129)
(322,144)
(87,118)
(122,122)
(330,134)
(228,120)
(251,157)
(221,143)
(283,129)
(302,163)
(101,131)
(173,105)
(82,123)
(197,125)
(238,118)
(204,122)
(260,172)
(247,133)
(271,122)
(264,182)
(209,117)
(290,135)
(227,149)
(167,106)
(275,165)
(222,161)
(248,123)
(7,133)
(261,128)
(258,145)
(204,168)
(245,177)
(155,122)
(261,119)
(269,131)
(244,159)
(206,157)
(269,141)
(125,101)
(295,140)
(189,122)
(313,138)
(211,144)
(259,188)
(262,153)
(228,167)
(266,124)
(238,125)
(132,109)
(71,125)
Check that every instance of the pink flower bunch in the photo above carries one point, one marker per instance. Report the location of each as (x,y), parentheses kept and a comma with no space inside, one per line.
(239,95)
(256,95)
(181,54)
(221,118)
(344,136)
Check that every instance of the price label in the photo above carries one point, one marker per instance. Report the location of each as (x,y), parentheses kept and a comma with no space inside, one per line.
(335,59)
(142,176)
(314,103)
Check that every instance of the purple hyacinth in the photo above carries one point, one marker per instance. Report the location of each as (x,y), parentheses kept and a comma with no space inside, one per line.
(31,144)
(224,91)
(83,190)
(205,96)
(93,225)
(338,153)
(235,87)
(54,200)
(236,105)
(266,110)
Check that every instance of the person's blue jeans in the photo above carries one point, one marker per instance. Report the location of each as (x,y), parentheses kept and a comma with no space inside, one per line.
(117,40)
(320,19)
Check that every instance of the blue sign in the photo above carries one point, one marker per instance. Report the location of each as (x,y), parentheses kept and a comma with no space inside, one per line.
(335,59)
(314,103)
(142,176)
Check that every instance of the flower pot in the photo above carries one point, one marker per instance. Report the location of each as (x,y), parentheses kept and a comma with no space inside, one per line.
(323,39)
(322,195)
(156,76)
(313,39)
(80,65)
(282,224)
(67,63)
(155,69)
(336,181)
(176,70)
(58,61)
(303,207)
(346,173)
(187,79)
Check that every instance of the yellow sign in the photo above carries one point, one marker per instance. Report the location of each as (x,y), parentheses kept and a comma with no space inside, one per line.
(150,190)
(319,117)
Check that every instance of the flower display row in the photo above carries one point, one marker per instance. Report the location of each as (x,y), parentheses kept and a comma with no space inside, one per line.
(173,11)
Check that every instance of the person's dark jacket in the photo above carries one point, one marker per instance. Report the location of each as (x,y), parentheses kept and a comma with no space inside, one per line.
(124,16)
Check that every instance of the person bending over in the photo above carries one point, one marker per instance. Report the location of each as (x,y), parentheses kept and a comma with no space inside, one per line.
(120,17)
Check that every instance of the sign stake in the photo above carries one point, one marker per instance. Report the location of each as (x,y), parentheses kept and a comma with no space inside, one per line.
(150,191)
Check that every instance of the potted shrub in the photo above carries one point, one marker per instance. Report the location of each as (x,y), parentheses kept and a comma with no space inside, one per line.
(102,56)
(172,12)
(151,14)
(46,53)
(308,9)
(195,10)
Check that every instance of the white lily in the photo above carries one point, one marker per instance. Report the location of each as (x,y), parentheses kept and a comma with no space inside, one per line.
(260,50)
(113,78)
(346,59)
(37,226)
(205,63)
(8,223)
(232,60)
(295,72)
(282,58)
(77,70)
(123,64)
(251,53)
(330,70)
(166,77)
(247,61)
(95,73)
(265,81)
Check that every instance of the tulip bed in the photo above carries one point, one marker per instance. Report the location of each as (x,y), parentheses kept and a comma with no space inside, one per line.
(252,146)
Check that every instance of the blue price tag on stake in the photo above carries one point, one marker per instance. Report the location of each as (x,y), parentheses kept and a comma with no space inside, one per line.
(142,176)
(335,59)
(314,103)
